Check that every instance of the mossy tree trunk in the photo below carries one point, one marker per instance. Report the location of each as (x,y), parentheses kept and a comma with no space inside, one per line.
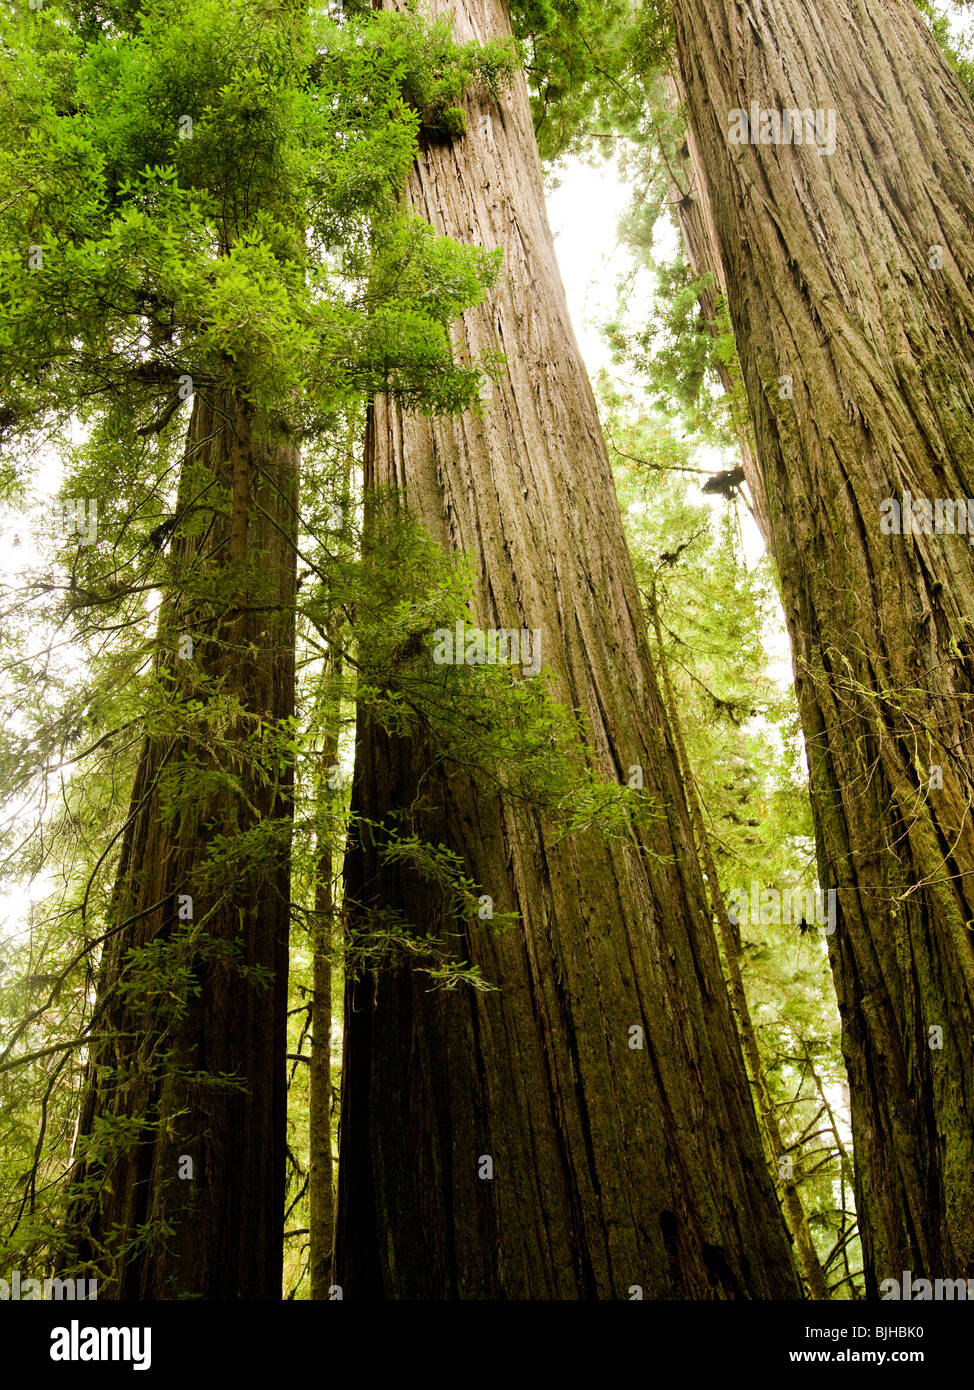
(850,281)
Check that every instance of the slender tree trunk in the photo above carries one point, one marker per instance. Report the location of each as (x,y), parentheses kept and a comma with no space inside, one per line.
(850,280)
(586,1130)
(847,1180)
(808,1261)
(322,1199)
(322,1093)
(180,1191)
(321,1177)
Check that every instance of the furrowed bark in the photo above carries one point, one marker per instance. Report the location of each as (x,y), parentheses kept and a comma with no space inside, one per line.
(613,1166)
(850,281)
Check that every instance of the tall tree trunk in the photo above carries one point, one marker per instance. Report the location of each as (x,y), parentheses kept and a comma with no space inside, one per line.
(180,1189)
(617,1168)
(321,1176)
(850,280)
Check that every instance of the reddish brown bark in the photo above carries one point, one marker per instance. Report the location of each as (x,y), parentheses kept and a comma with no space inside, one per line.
(613,1167)
(850,281)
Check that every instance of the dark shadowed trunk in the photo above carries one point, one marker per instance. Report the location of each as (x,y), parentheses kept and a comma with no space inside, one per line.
(850,280)
(180,1192)
(585,1131)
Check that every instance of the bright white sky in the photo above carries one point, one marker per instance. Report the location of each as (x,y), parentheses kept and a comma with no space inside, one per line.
(584,211)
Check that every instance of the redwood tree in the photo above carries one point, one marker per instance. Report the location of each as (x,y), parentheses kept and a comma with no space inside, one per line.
(585,1130)
(850,281)
(191,1198)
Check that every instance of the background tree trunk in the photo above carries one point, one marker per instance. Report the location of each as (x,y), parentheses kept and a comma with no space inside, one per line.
(199,1071)
(850,278)
(321,1175)
(730,941)
(613,1166)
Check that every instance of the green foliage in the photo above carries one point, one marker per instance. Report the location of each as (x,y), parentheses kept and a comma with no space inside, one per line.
(681,355)
(432,72)
(199,209)
(490,723)
(585,60)
(503,728)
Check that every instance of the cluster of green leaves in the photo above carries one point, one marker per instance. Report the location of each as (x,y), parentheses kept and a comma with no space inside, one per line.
(502,727)
(958,47)
(433,72)
(580,58)
(682,357)
(187,201)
